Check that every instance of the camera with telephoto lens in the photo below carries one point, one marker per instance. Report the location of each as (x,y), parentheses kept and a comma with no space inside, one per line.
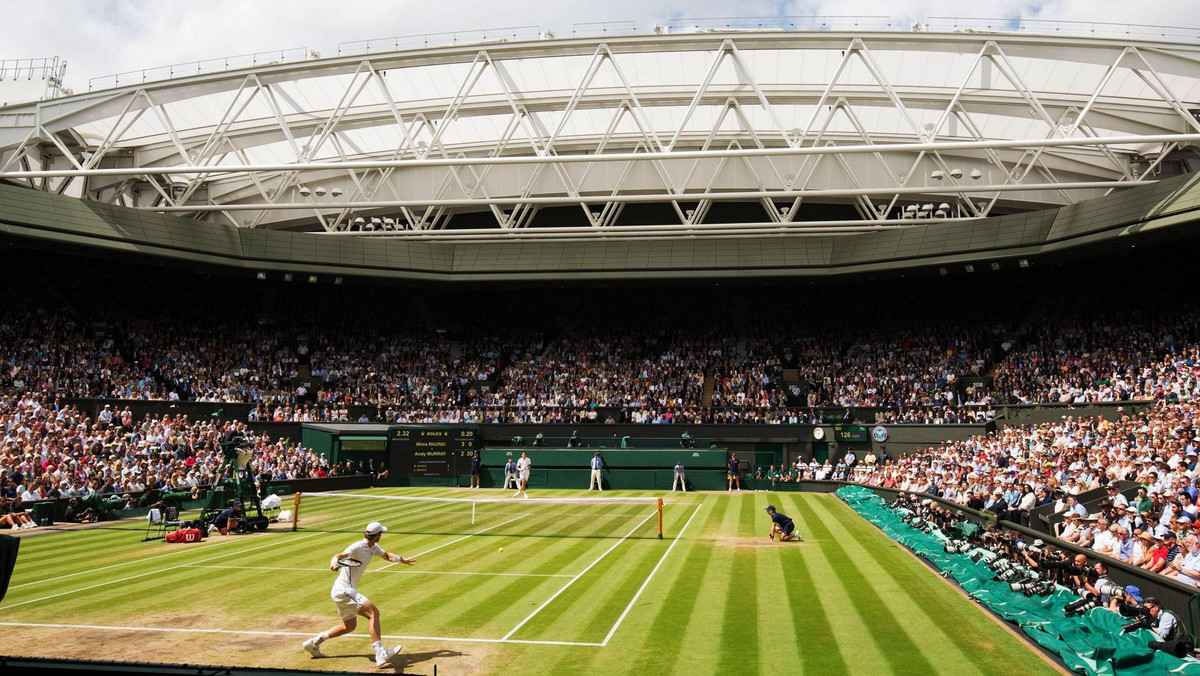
(1142,617)
(1032,549)
(1111,590)
(957,546)
(999,564)
(1009,575)
(1023,585)
(1033,587)
(1081,606)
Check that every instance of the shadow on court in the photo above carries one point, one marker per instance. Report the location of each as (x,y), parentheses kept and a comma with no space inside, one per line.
(404,661)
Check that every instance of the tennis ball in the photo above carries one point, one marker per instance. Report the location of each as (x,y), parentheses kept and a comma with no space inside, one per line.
(501,549)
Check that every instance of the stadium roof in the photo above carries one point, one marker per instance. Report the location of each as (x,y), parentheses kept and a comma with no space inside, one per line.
(647,136)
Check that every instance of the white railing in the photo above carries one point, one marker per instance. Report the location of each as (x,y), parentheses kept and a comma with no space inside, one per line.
(426,40)
(933,24)
(201,67)
(1094,29)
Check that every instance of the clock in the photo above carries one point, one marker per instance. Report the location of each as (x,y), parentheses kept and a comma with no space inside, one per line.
(818,433)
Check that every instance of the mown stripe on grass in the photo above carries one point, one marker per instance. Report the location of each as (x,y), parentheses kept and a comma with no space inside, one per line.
(701,632)
(586,610)
(663,643)
(938,614)
(919,625)
(892,645)
(820,649)
(494,606)
(739,634)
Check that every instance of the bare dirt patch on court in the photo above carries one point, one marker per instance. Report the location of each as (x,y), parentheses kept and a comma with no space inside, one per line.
(733,542)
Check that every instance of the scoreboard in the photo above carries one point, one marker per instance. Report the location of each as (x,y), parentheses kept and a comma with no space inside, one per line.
(431,450)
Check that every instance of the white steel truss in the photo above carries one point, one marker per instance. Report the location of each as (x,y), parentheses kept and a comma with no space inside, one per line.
(890,129)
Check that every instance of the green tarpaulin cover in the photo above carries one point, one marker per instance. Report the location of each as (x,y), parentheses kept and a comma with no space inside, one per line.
(1091,643)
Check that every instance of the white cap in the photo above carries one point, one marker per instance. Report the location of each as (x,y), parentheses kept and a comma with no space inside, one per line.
(375,528)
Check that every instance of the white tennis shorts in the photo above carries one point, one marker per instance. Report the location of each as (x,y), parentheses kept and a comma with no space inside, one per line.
(525,475)
(348,602)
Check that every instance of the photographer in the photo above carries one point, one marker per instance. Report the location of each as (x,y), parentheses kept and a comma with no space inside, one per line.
(1171,637)
(1101,571)
(1128,605)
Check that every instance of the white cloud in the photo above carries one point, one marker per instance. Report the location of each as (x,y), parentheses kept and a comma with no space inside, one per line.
(105,37)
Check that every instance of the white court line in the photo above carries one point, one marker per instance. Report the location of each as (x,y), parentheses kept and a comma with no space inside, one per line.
(356,515)
(249,632)
(650,577)
(580,574)
(406,571)
(154,557)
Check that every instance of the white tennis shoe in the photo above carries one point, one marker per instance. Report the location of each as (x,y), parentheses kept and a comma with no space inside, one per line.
(313,647)
(385,656)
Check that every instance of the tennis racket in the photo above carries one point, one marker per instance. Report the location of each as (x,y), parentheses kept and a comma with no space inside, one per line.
(349,563)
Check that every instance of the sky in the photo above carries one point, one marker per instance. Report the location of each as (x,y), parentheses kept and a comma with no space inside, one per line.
(104,37)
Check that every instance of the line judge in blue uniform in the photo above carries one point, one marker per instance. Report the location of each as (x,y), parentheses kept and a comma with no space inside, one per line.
(597,465)
(735,472)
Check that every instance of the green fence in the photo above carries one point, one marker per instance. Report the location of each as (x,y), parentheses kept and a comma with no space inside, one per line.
(1091,643)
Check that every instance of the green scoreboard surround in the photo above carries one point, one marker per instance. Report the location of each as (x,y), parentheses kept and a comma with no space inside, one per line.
(431,450)
(851,433)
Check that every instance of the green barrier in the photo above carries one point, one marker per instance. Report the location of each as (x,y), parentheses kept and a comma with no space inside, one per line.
(1091,643)
(613,458)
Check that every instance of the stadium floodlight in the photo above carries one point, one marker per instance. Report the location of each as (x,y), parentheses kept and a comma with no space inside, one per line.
(337,281)
(304,191)
(926,208)
(956,174)
(969,268)
(358,222)
(335,191)
(1024,263)
(940,213)
(937,174)
(389,223)
(320,190)
(312,279)
(943,271)
(287,277)
(976,174)
(995,266)
(261,276)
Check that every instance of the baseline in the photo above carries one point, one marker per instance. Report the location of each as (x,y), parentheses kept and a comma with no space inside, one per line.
(405,571)
(252,632)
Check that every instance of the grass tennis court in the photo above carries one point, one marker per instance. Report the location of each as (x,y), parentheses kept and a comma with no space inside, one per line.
(576,588)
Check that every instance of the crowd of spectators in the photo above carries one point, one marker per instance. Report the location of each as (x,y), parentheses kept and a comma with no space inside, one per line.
(574,358)
(50,450)
(1019,468)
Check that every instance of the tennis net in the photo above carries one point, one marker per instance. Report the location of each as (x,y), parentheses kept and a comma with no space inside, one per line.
(632,517)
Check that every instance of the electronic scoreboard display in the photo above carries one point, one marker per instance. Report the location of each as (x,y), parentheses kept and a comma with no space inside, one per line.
(431,450)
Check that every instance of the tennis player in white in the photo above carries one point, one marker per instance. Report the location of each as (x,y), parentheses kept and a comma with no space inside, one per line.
(523,466)
(350,564)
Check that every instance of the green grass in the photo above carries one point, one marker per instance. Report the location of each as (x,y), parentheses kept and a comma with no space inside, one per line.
(723,600)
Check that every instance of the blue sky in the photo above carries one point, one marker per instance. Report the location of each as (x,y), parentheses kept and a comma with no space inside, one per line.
(110,36)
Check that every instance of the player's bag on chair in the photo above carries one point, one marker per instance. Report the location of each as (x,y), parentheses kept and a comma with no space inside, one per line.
(184,535)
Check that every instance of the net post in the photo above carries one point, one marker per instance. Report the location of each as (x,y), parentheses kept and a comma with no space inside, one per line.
(473,503)
(296,513)
(660,504)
